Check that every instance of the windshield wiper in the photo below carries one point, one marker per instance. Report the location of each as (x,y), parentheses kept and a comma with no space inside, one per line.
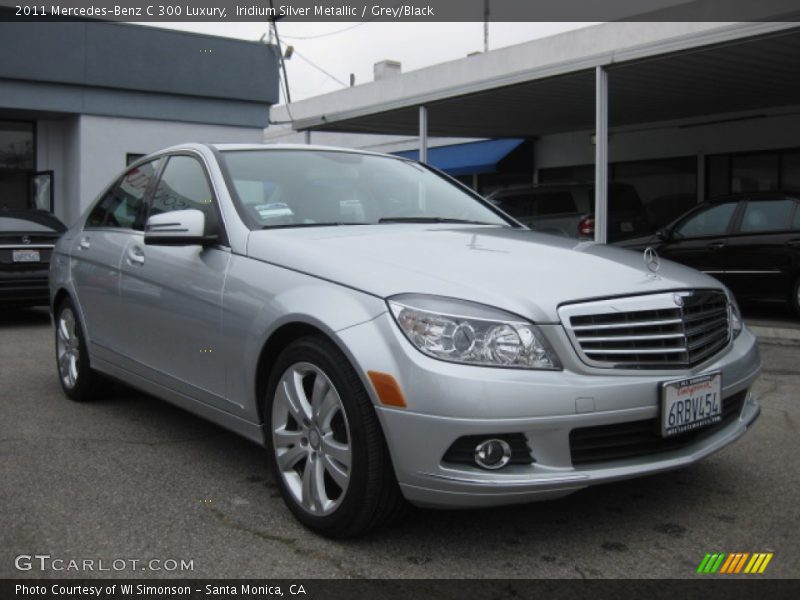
(294,225)
(432,220)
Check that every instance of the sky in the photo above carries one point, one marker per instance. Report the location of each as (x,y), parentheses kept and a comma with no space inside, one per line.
(344,48)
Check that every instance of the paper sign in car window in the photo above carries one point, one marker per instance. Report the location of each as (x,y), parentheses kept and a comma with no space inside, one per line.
(273,210)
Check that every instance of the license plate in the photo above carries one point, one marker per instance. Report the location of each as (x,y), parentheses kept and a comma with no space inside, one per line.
(690,404)
(25,256)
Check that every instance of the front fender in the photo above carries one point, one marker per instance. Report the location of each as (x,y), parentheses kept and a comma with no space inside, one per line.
(260,298)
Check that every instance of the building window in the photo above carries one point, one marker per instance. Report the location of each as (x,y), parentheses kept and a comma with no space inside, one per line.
(17,149)
(752,172)
(667,187)
(790,171)
(17,163)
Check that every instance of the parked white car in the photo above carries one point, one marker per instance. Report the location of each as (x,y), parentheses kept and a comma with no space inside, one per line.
(389,336)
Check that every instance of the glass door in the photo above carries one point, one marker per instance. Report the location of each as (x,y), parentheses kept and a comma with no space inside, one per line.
(40,190)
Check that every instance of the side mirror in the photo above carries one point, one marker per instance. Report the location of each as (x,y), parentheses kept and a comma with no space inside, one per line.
(664,234)
(177,228)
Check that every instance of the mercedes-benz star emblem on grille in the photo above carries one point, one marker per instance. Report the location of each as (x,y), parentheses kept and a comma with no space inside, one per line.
(26,239)
(651,260)
(677,299)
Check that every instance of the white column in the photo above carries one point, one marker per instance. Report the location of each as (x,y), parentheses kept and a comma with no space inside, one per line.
(601,156)
(423,134)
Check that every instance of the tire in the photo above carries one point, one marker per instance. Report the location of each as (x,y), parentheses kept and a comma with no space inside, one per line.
(794,299)
(78,380)
(325,444)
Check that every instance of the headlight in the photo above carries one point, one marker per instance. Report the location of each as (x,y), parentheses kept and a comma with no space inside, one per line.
(736,317)
(464,332)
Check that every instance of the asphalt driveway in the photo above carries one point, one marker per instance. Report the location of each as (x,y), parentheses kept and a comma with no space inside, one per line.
(132,478)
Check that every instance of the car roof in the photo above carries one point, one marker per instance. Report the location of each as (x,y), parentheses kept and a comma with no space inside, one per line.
(35,215)
(223,147)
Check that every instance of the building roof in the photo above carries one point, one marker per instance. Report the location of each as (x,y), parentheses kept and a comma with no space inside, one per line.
(657,72)
(135,71)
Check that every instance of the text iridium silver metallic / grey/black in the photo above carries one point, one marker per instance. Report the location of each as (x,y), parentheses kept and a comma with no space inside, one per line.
(389,336)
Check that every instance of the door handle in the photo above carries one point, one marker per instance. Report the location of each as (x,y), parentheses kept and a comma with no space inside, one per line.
(135,255)
(716,245)
(84,244)
(793,243)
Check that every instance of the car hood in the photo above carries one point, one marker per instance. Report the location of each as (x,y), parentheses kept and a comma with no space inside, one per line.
(521,271)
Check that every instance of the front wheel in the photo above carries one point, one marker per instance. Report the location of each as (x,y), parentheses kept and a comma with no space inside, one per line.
(325,443)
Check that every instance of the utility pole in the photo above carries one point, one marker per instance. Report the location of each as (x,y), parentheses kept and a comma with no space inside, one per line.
(485,25)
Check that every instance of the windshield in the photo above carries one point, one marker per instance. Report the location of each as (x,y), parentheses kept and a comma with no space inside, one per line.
(296,188)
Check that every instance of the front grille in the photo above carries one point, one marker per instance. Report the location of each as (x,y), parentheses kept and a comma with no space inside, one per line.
(617,441)
(655,331)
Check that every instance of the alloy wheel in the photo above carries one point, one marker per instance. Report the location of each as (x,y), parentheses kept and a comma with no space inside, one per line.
(67,348)
(311,439)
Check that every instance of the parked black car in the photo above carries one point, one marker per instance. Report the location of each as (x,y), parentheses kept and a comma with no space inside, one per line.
(27,238)
(749,241)
(568,209)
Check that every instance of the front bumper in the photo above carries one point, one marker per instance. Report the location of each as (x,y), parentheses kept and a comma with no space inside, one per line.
(24,287)
(446,401)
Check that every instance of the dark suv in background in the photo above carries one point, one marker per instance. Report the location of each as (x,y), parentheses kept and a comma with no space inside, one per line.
(568,209)
(749,241)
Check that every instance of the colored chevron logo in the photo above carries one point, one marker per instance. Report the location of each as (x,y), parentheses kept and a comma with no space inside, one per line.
(735,563)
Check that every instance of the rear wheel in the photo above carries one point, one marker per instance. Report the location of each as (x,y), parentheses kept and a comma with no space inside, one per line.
(795,297)
(325,444)
(77,378)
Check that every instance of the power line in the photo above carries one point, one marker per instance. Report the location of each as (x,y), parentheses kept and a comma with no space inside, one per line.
(338,31)
(283,61)
(321,70)
(322,35)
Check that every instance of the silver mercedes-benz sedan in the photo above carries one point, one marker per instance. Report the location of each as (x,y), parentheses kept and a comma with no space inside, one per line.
(389,336)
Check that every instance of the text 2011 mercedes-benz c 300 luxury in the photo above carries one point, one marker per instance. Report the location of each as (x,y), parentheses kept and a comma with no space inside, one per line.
(389,336)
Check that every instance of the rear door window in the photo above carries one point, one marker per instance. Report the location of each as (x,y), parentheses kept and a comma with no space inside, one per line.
(767,215)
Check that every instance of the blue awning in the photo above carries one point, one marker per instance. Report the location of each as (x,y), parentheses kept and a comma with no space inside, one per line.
(468,158)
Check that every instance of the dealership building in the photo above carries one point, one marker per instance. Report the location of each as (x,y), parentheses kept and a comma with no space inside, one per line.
(680,111)
(80,100)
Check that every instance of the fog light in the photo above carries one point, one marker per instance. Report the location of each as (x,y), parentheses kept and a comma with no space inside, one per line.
(492,454)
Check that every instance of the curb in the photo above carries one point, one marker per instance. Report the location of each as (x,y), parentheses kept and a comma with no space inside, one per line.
(776,335)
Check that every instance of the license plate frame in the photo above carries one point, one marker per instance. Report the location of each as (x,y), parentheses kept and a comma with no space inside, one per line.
(690,403)
(26,255)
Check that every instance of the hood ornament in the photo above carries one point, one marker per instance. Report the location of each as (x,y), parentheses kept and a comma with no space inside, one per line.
(651,260)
